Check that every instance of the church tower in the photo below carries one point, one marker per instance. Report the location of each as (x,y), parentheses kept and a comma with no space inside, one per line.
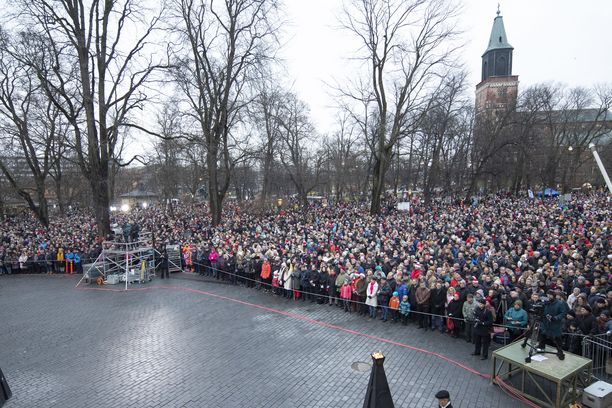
(498,87)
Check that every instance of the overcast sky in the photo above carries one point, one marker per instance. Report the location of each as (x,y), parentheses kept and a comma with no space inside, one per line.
(565,41)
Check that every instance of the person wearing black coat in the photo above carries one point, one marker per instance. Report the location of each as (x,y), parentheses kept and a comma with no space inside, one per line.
(454,310)
(383,298)
(314,284)
(483,322)
(165,271)
(412,299)
(250,270)
(305,282)
(230,268)
(205,262)
(586,322)
(437,302)
(3,268)
(443,398)
(323,285)
(331,286)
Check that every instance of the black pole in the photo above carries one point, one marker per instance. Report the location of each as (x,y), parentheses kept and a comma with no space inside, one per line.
(378,394)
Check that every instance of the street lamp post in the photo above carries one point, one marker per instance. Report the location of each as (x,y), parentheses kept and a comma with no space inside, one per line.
(569,167)
(602,169)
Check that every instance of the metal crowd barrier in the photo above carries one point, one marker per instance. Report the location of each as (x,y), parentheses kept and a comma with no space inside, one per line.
(599,349)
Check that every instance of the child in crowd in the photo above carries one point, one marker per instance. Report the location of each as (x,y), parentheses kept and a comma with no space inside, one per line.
(346,291)
(404,309)
(394,304)
(275,286)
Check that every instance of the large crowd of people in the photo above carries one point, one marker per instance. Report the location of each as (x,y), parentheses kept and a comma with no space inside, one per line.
(450,266)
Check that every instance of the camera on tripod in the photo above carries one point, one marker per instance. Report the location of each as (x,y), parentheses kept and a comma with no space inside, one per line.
(537,308)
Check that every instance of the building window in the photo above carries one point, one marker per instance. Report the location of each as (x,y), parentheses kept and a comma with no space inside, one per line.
(501,65)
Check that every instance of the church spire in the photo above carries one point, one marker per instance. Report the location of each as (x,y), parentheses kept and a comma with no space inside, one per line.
(498,38)
(497,59)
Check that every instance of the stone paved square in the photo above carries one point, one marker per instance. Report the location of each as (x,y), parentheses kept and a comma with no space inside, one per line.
(191,343)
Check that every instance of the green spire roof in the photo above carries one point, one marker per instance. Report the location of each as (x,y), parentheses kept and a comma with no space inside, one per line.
(498,39)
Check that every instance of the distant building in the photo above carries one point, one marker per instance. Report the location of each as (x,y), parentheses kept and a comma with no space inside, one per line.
(498,88)
(138,198)
(516,148)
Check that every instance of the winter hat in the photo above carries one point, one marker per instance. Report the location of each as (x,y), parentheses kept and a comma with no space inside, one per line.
(395,294)
(442,394)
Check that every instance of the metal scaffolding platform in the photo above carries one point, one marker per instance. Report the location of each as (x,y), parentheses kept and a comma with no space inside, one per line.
(122,262)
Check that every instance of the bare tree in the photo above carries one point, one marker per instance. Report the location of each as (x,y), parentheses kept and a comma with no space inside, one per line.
(437,125)
(343,155)
(264,111)
(93,67)
(28,131)
(298,154)
(167,153)
(584,118)
(404,43)
(63,163)
(194,167)
(456,150)
(227,41)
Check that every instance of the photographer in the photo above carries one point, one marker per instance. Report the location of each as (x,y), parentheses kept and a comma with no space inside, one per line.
(483,321)
(552,324)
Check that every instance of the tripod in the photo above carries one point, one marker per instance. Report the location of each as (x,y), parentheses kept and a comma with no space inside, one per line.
(502,306)
(532,336)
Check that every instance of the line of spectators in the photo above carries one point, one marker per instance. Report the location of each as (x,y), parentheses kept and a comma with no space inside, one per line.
(434,259)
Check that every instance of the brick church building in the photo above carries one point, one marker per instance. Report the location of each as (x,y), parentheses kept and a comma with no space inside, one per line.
(518,143)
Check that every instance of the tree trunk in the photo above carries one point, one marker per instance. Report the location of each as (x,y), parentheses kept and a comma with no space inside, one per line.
(238,189)
(214,199)
(265,188)
(378,182)
(43,206)
(58,193)
(101,204)
(432,176)
(303,197)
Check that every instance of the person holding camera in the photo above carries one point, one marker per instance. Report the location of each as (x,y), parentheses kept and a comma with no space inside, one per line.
(552,324)
(483,322)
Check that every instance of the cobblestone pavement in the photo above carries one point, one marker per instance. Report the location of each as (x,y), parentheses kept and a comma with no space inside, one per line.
(190,343)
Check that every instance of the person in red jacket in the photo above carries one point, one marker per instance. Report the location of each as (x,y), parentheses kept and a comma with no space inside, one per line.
(266,274)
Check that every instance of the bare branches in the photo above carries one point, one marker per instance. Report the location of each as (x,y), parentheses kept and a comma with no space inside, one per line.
(93,69)
(408,44)
(228,41)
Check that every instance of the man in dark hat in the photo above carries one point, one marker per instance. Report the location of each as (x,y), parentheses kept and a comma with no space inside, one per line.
(483,321)
(443,399)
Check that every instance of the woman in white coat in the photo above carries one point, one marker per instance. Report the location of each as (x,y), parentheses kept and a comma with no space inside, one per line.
(285,277)
(371,296)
